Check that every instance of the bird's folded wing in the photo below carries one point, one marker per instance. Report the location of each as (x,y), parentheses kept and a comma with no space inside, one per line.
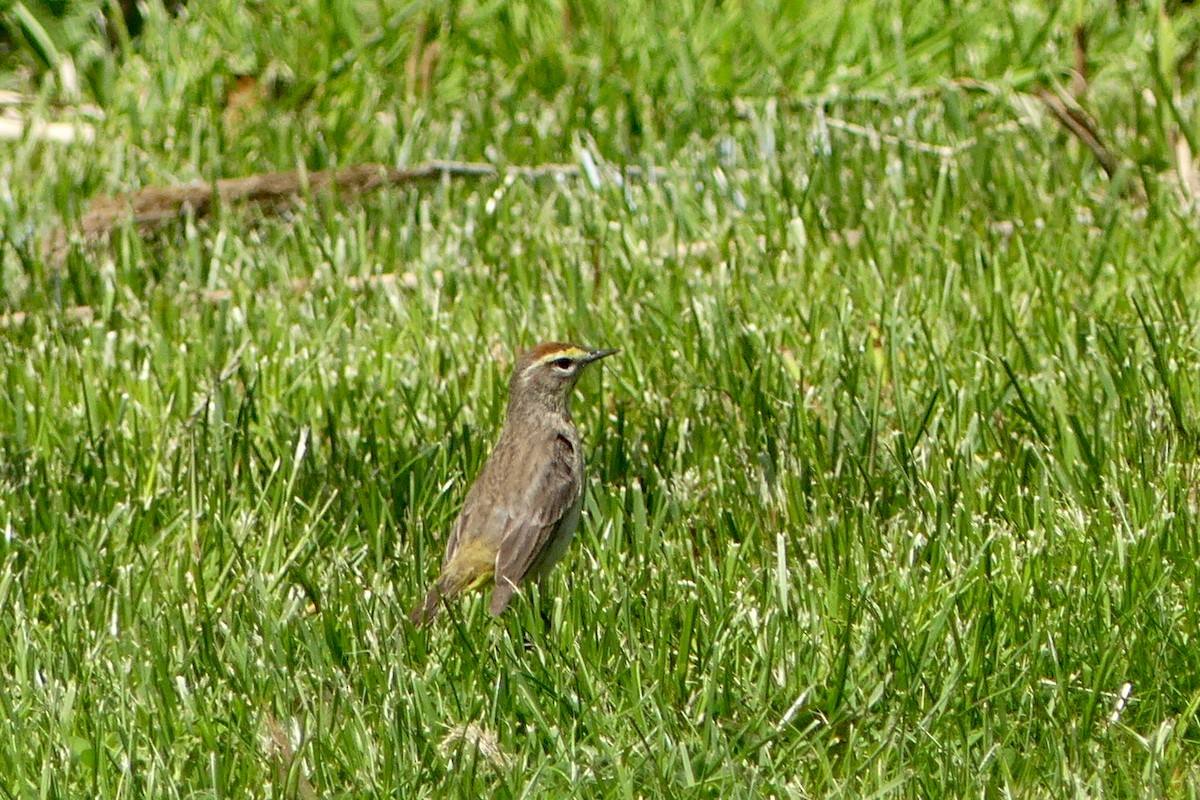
(535,516)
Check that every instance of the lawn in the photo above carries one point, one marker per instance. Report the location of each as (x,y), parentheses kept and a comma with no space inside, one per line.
(893,487)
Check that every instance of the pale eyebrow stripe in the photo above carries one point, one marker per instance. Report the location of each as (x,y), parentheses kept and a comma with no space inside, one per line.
(570,352)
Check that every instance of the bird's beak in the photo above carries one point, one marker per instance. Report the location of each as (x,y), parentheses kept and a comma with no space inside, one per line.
(596,355)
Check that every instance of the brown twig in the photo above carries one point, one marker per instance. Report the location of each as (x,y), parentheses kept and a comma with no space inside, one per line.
(150,207)
(1079,124)
(1079,75)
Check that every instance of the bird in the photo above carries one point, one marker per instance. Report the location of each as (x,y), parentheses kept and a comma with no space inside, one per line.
(522,510)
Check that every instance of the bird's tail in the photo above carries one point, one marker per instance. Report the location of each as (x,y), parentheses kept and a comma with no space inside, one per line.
(450,584)
(458,576)
(425,613)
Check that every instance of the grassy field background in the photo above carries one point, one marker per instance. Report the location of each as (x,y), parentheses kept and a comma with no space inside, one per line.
(893,487)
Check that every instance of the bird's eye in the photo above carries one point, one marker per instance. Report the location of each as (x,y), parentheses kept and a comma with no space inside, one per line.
(563,363)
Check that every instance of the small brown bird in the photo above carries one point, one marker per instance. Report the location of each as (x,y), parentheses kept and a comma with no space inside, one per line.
(521,511)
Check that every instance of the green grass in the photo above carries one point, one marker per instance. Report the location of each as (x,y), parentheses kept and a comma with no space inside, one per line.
(893,488)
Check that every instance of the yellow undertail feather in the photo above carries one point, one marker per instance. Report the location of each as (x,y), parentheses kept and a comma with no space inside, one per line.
(461,574)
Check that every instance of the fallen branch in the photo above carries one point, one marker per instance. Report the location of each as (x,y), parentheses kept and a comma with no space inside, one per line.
(154,206)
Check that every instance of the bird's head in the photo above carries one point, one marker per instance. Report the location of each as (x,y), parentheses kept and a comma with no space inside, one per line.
(546,374)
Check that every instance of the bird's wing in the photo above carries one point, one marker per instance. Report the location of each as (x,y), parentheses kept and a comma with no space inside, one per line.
(533,518)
